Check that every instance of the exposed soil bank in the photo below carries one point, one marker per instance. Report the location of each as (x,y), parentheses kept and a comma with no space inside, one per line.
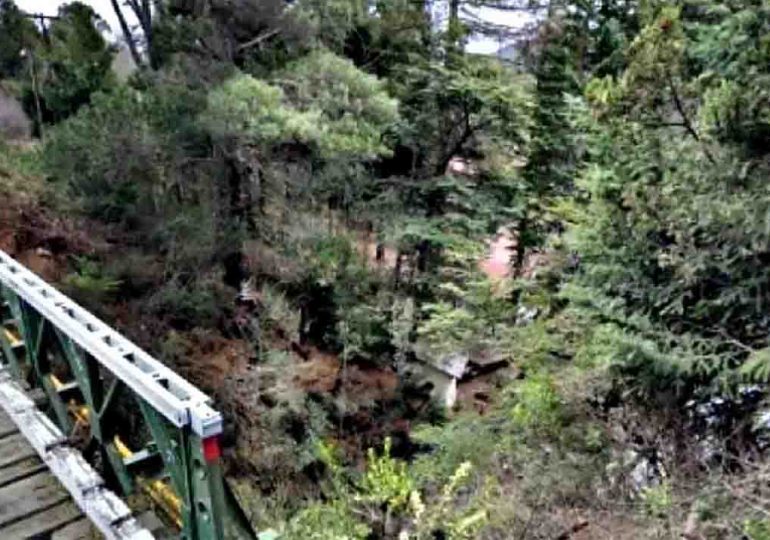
(497,264)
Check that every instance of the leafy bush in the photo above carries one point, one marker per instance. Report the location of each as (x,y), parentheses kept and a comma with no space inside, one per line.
(757,529)
(187,305)
(90,285)
(537,405)
(657,500)
(385,501)
(330,521)
(22,175)
(107,156)
(321,100)
(278,313)
(386,480)
(251,108)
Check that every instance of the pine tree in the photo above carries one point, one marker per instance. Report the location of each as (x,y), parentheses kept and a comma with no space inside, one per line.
(552,161)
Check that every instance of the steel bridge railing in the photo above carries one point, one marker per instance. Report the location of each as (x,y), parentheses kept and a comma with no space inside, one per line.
(94,380)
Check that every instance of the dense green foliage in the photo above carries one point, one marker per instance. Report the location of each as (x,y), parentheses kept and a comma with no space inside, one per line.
(673,248)
(56,69)
(17,34)
(297,202)
(74,63)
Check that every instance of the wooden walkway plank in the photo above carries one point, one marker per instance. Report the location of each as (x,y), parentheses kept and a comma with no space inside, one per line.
(43,525)
(7,427)
(20,469)
(29,496)
(78,530)
(13,449)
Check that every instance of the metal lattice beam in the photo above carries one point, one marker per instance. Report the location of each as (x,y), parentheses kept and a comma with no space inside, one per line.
(81,365)
(177,400)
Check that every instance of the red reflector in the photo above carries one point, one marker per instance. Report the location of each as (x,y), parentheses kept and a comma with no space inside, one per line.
(211,450)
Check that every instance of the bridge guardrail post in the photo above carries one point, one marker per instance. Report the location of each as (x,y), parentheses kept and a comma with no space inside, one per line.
(207,486)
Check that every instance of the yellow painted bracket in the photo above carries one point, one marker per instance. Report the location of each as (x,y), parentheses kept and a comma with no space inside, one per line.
(13,339)
(159,492)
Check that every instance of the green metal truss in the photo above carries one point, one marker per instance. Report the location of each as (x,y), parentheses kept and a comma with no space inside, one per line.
(99,410)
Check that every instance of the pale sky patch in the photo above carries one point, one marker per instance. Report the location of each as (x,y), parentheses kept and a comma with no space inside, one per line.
(489,45)
(102,7)
(477,44)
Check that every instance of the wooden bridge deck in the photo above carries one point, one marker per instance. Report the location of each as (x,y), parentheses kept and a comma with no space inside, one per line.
(33,504)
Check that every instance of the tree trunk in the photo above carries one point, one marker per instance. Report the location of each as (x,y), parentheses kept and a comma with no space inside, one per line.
(454,32)
(397,268)
(130,42)
(242,189)
(143,13)
(423,7)
(454,12)
(36,91)
(521,247)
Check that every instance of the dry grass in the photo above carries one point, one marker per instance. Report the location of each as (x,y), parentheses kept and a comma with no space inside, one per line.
(19,181)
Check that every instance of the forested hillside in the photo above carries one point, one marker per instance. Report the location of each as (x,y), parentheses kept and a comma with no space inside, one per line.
(436,294)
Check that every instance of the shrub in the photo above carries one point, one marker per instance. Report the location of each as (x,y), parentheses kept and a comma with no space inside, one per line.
(384,502)
(22,175)
(90,285)
(657,500)
(386,481)
(537,405)
(190,304)
(107,156)
(757,529)
(330,521)
(322,100)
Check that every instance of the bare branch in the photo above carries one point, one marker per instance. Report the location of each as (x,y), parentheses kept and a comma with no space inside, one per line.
(257,40)
(687,124)
(130,42)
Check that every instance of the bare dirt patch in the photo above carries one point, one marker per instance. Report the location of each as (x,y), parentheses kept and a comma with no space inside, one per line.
(319,373)
(497,264)
(323,372)
(207,358)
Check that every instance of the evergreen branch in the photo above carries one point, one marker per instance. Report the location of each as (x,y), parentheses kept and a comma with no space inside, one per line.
(686,123)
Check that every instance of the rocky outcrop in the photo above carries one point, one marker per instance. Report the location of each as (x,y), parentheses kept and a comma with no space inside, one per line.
(14,123)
